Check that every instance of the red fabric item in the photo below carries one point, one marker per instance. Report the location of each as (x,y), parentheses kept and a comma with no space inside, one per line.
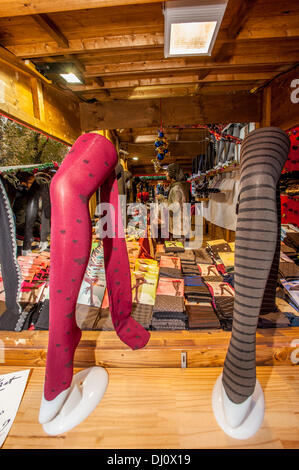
(292,163)
(289,210)
(145,248)
(89,164)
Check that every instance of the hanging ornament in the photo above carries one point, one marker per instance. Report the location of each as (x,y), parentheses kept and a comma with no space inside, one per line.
(161,145)
(157,166)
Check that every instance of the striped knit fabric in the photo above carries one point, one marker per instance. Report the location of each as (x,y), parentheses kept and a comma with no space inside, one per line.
(268,304)
(264,152)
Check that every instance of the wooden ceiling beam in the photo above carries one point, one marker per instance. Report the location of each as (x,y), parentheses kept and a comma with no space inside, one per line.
(48,25)
(95,44)
(266,54)
(243,9)
(169,91)
(21,8)
(177,81)
(238,107)
(176,149)
(152,40)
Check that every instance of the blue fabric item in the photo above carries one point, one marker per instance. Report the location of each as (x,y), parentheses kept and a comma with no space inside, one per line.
(229,278)
(294,321)
(193,281)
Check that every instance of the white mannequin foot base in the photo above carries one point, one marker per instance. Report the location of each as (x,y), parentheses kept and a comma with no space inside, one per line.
(86,391)
(253,418)
(43,246)
(25,252)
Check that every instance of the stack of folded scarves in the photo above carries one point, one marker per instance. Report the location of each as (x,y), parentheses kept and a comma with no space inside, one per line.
(201,316)
(173,246)
(196,290)
(190,269)
(202,256)
(224,312)
(142,313)
(169,313)
(292,240)
(216,246)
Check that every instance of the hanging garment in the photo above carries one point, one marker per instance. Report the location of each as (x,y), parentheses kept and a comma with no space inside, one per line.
(12,318)
(263,154)
(89,164)
(37,191)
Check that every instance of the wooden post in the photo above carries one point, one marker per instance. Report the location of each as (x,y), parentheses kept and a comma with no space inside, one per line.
(266,113)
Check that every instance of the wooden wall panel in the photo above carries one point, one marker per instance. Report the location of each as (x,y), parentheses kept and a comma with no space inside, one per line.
(204,348)
(31,101)
(284,112)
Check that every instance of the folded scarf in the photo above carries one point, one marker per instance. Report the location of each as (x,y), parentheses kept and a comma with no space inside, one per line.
(86,316)
(288,269)
(168,324)
(190,270)
(197,290)
(193,281)
(213,278)
(202,256)
(172,246)
(292,239)
(202,317)
(170,315)
(293,319)
(187,256)
(170,272)
(142,314)
(224,311)
(166,303)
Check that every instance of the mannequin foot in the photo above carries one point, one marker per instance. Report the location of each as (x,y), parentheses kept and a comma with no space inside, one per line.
(50,408)
(86,391)
(25,252)
(235,413)
(239,421)
(43,246)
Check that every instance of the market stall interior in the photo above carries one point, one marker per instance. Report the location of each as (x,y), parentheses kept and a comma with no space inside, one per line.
(214,129)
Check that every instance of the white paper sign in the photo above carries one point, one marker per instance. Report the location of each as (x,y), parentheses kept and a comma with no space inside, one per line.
(12,387)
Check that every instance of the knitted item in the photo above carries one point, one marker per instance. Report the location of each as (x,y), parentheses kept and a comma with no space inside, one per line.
(13,318)
(263,154)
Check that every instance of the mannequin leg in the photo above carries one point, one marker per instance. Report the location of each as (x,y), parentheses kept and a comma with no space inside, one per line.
(31,215)
(89,164)
(264,153)
(45,228)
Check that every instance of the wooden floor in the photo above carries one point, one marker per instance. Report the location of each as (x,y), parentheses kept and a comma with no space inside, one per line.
(157,408)
(151,402)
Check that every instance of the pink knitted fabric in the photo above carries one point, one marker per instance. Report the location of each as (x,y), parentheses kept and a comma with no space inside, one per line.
(89,164)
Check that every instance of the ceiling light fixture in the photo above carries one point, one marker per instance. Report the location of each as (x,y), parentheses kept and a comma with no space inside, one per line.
(191,27)
(135,158)
(70,78)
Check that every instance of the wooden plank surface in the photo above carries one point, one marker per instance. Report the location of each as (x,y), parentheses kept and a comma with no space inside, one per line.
(161,409)
(240,107)
(205,348)
(20,8)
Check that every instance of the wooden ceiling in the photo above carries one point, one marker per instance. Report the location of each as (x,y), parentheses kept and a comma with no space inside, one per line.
(117,46)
